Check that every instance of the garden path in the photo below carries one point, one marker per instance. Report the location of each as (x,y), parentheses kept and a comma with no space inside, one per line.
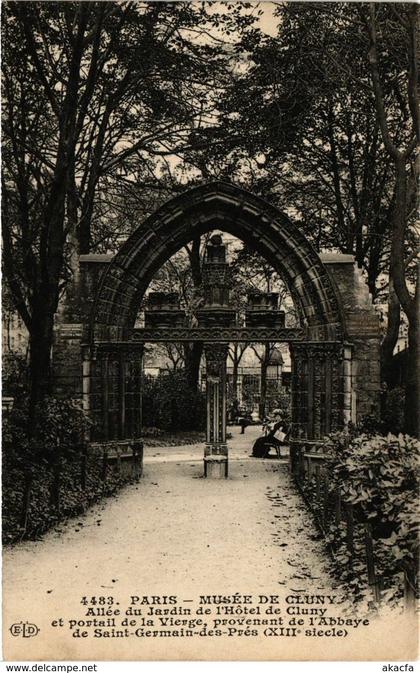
(172,533)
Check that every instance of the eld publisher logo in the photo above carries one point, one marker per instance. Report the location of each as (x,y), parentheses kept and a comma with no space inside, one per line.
(24,629)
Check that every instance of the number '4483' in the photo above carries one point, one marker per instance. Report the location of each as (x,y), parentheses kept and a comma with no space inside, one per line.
(97,600)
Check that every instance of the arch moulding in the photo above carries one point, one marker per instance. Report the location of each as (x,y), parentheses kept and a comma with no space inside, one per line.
(226,207)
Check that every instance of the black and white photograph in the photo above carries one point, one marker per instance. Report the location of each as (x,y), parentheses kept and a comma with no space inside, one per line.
(210,331)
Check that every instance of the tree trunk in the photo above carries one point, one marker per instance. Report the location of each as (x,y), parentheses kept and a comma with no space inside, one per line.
(235,354)
(263,389)
(391,336)
(85,223)
(235,371)
(53,238)
(401,158)
(412,411)
(409,304)
(40,343)
(193,353)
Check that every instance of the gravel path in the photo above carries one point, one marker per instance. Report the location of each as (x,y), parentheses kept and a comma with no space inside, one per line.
(173,533)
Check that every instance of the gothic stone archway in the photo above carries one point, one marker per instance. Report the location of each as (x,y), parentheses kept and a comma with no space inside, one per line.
(197,211)
(335,357)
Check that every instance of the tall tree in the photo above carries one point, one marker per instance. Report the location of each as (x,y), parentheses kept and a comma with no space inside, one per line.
(403,155)
(333,167)
(87,87)
(317,152)
(40,135)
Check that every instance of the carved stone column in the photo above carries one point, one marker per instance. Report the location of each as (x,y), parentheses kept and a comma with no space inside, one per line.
(216,452)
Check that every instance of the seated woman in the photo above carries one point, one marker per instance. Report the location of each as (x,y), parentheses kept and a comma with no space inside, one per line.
(275,438)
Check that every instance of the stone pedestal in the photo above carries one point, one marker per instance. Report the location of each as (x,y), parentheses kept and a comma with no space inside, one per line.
(216,467)
(163,310)
(262,310)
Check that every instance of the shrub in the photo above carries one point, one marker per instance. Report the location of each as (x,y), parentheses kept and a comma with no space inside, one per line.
(379,477)
(75,498)
(41,481)
(61,424)
(393,411)
(15,375)
(375,474)
(170,404)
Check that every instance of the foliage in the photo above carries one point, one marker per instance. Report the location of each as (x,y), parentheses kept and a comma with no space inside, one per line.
(316,148)
(375,474)
(14,438)
(283,401)
(74,499)
(14,375)
(379,477)
(61,427)
(393,411)
(54,461)
(170,404)
(86,112)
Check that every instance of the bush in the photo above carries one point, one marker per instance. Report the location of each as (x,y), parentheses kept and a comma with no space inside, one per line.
(393,411)
(42,512)
(170,404)
(15,375)
(47,471)
(61,425)
(375,474)
(379,477)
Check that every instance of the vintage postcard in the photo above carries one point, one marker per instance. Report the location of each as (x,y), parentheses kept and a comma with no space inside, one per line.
(210,349)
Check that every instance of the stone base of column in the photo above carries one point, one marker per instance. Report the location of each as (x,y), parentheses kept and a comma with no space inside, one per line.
(216,461)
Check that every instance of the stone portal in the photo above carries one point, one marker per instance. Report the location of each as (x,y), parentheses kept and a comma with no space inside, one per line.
(335,350)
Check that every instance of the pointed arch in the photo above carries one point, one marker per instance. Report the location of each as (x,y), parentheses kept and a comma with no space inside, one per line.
(226,207)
